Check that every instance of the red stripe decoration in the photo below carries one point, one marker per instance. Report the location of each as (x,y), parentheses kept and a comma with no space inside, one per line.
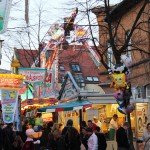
(87,106)
(59,109)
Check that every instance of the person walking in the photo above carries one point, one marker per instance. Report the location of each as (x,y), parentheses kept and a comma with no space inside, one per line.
(146,137)
(102,145)
(92,140)
(113,126)
(121,137)
(69,124)
(84,137)
(72,139)
(56,141)
(9,136)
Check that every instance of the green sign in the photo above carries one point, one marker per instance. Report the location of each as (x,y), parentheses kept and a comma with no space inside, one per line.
(4,14)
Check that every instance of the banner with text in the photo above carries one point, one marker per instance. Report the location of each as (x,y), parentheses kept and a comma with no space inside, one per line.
(9,99)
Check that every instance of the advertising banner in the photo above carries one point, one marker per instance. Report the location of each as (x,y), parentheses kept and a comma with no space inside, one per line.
(41,80)
(4,14)
(9,99)
(142,118)
(33,74)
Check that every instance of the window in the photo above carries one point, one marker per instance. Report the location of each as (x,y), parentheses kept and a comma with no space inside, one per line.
(129,47)
(92,79)
(62,68)
(148,90)
(109,55)
(75,67)
(79,79)
(139,92)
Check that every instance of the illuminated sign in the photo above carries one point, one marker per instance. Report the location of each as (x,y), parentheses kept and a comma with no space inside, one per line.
(11,81)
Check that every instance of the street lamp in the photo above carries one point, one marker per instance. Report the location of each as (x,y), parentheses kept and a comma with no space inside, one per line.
(1,41)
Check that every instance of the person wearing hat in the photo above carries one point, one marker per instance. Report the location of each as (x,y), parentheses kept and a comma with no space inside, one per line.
(113,126)
(97,122)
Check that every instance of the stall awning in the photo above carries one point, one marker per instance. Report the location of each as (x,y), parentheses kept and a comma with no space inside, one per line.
(68,106)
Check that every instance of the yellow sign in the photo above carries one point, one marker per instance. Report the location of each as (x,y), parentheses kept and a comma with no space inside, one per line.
(11,81)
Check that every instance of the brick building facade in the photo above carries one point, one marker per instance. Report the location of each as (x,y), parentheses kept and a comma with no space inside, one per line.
(126,12)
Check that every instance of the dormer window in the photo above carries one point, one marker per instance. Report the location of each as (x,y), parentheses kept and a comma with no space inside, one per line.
(75,68)
(62,68)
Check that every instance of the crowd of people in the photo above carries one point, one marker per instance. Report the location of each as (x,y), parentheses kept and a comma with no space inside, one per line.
(53,136)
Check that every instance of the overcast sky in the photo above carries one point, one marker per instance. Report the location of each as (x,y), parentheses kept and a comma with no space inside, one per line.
(56,12)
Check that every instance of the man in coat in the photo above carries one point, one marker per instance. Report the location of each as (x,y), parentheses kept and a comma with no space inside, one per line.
(102,145)
(121,137)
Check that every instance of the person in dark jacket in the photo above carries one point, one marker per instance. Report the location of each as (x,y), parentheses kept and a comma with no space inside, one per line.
(121,137)
(1,138)
(102,145)
(84,137)
(69,124)
(72,139)
(9,136)
(56,141)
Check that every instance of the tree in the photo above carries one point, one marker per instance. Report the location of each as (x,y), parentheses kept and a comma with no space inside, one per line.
(27,29)
(113,31)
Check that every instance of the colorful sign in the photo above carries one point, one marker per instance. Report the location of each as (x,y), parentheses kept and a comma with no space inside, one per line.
(11,81)
(41,80)
(56,31)
(4,14)
(9,101)
(70,89)
(33,74)
(80,33)
(142,118)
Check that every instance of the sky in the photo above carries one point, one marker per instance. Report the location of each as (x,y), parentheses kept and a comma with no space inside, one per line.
(54,13)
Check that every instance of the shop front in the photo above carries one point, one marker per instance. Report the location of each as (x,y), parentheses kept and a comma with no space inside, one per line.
(105,106)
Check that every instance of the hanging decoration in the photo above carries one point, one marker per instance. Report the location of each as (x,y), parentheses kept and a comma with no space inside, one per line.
(10,84)
(121,85)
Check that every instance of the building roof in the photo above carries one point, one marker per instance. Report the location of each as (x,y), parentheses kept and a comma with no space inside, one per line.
(122,8)
(117,10)
(4,71)
(74,54)
(26,57)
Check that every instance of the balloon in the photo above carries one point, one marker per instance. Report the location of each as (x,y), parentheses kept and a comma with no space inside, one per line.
(122,110)
(118,95)
(126,60)
(118,68)
(128,109)
(118,81)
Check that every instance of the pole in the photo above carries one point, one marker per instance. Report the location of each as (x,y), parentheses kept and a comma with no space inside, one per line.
(80,114)
(15,65)
(130,133)
(1,50)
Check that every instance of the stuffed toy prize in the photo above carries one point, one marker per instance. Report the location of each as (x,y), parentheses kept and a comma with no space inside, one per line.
(126,60)
(118,68)
(118,81)
(118,94)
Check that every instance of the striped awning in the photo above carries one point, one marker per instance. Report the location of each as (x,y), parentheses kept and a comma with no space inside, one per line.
(68,106)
